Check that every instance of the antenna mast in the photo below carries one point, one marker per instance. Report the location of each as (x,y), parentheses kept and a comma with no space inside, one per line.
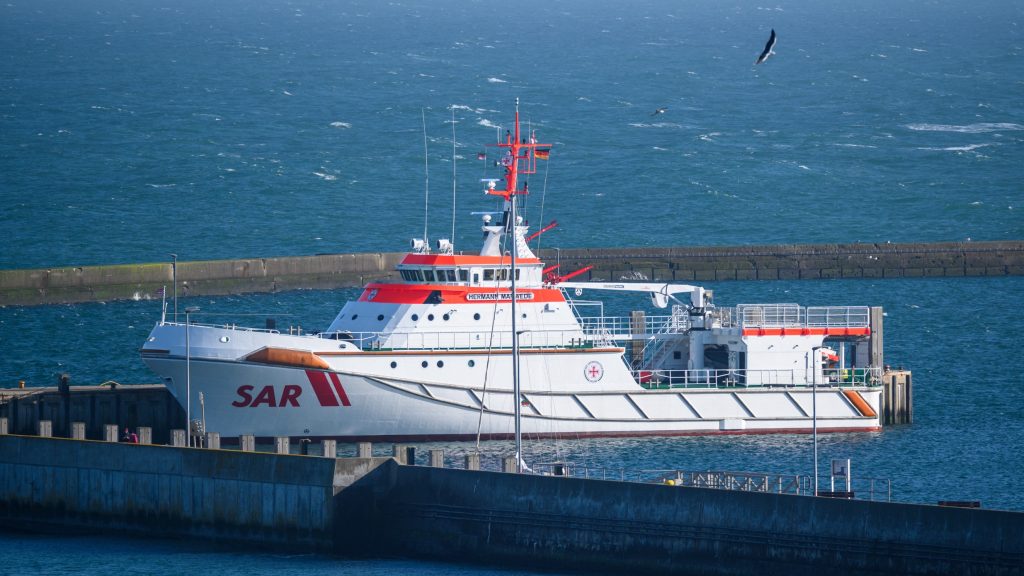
(518,150)
(426,179)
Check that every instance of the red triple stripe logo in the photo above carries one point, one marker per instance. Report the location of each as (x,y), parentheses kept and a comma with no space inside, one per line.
(325,393)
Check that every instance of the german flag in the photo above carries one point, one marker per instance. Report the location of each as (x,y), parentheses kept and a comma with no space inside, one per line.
(541,153)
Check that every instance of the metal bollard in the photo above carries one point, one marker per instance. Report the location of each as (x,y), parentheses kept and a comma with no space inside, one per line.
(213,441)
(472,461)
(247,443)
(437,458)
(282,444)
(145,435)
(398,453)
(110,432)
(178,438)
(78,430)
(364,450)
(508,464)
(329,448)
(45,429)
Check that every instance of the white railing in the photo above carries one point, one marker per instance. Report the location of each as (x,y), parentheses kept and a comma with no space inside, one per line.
(709,378)
(623,326)
(793,316)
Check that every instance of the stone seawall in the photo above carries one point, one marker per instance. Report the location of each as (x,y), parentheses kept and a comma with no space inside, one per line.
(682,264)
(378,507)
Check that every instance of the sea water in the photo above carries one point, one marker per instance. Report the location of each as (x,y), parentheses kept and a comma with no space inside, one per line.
(224,129)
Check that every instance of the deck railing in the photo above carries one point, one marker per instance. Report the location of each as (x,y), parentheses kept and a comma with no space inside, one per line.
(793,316)
(705,378)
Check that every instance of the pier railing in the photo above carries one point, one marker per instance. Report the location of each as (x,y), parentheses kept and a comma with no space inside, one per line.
(797,484)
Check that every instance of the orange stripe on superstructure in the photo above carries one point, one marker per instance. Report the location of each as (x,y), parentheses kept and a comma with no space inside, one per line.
(462,260)
(418,293)
(834,331)
(286,357)
(860,403)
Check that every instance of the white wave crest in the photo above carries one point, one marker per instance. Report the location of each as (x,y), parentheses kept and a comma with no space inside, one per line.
(487,123)
(978,128)
(966,148)
(341,125)
(325,176)
(493,80)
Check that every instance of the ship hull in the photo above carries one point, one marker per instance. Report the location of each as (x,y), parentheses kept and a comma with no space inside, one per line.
(249,398)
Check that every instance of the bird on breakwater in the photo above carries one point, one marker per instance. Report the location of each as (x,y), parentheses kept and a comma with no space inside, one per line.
(767,49)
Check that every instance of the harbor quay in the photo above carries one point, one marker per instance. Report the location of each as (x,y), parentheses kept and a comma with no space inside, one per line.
(673,264)
(388,507)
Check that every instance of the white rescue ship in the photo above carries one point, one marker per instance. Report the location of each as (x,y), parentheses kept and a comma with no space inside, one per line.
(431,357)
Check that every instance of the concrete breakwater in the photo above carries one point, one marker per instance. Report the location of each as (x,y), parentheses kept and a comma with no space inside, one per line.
(377,506)
(682,264)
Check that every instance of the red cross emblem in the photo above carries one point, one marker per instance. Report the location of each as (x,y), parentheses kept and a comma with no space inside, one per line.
(593,371)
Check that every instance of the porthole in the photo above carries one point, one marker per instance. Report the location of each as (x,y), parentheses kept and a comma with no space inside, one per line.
(380,317)
(415,317)
(394,364)
(476,316)
(472,363)
(440,363)
(224,339)
(430,317)
(446,317)
(524,314)
(354,316)
(424,364)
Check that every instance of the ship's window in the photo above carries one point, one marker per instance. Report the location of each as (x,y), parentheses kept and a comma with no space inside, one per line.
(428,275)
(446,317)
(224,339)
(517,274)
(677,355)
(424,364)
(450,274)
(419,275)
(394,364)
(503,274)
(472,363)
(476,278)
(524,314)
(415,317)
(430,317)
(488,274)
(380,317)
(464,275)
(354,316)
(476,316)
(440,363)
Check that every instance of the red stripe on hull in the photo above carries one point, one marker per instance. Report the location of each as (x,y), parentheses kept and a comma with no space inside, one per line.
(321,388)
(861,331)
(340,390)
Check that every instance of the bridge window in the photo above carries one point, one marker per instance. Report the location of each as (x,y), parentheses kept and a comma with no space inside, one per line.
(488,274)
(419,276)
(464,275)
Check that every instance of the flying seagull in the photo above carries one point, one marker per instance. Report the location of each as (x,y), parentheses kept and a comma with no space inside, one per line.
(659,111)
(767,49)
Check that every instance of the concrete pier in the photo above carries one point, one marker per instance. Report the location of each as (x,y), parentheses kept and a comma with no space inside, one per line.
(135,406)
(378,507)
(678,264)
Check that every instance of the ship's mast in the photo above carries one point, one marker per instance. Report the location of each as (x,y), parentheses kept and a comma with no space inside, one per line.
(517,150)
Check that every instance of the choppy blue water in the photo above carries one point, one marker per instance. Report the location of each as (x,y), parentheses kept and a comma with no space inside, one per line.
(129,130)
